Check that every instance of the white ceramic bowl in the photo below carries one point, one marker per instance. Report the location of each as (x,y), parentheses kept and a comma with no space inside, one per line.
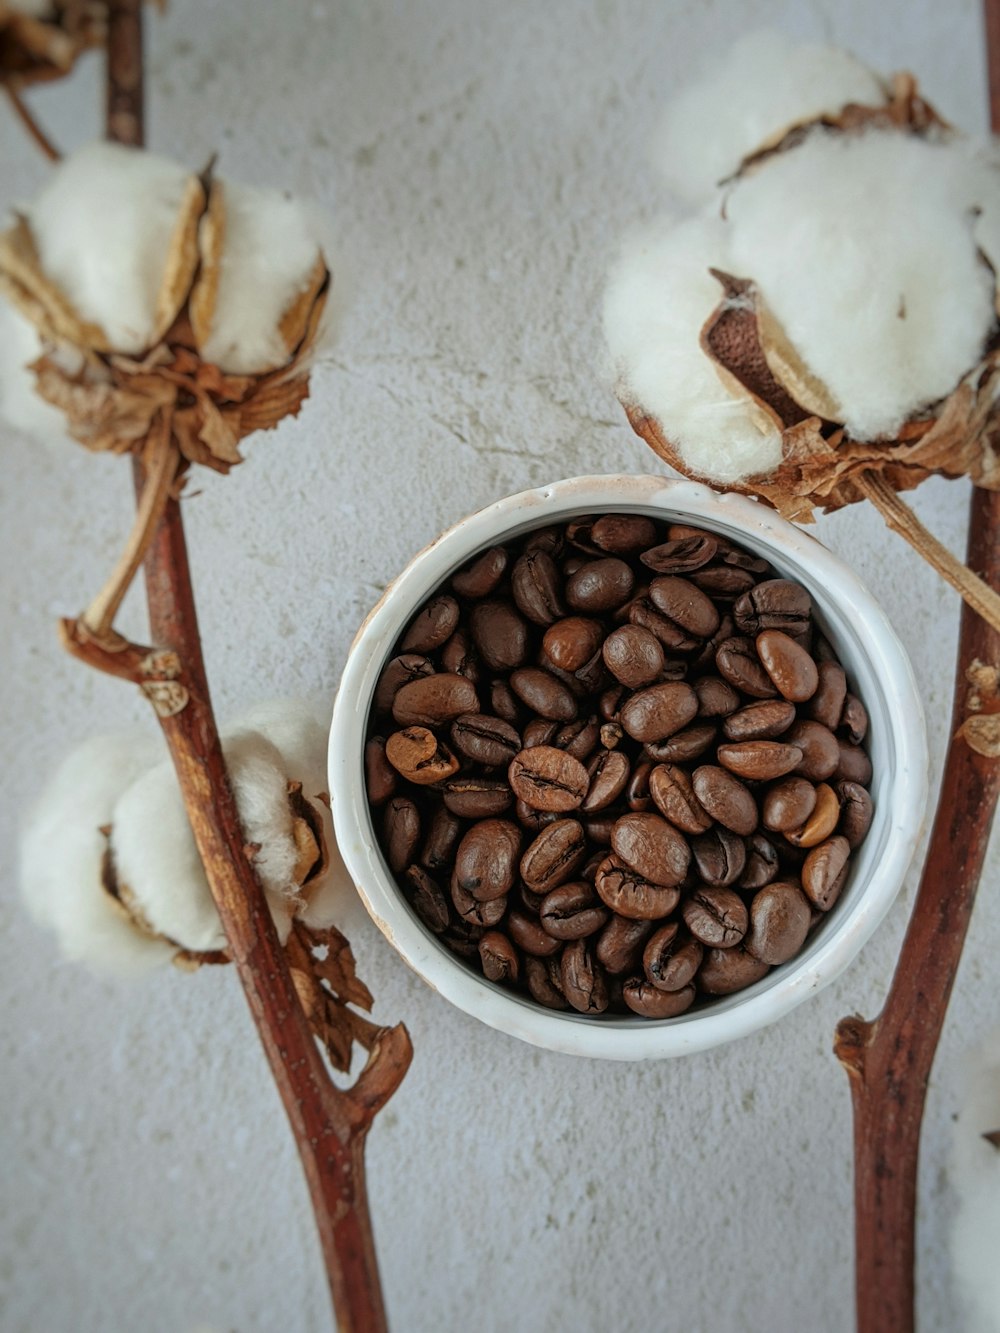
(876,666)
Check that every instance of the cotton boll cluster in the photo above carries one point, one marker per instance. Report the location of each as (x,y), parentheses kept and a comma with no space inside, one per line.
(20,406)
(975,1176)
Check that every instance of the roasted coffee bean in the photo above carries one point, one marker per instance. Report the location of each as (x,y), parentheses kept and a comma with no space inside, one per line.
(716,917)
(401,833)
(853,723)
(723,581)
(719,856)
(499,957)
(546,539)
(476,911)
(485,740)
(540,986)
(572,912)
(571,643)
(608,773)
(725,798)
(476,797)
(790,667)
(463,938)
(528,935)
(762,863)
(633,656)
(548,779)
(417,755)
(433,625)
(578,738)
(774,604)
(400,671)
(380,776)
(432,700)
(620,944)
(637,795)
(760,721)
(681,556)
(824,872)
(691,743)
(500,635)
(578,534)
(724,971)
(827,703)
(534,820)
(536,583)
(554,856)
(600,585)
(643,613)
(503,702)
(759,761)
(779,923)
(651,846)
(820,822)
(788,804)
(853,765)
(659,711)
(647,1001)
(611,701)
(482,575)
(438,850)
(543,694)
(539,731)
(673,795)
(529,900)
(599,829)
(628,894)
(621,534)
(671,958)
(583,980)
(685,604)
(458,656)
(737,661)
(716,697)
(487,857)
(427,899)
(820,751)
(856,812)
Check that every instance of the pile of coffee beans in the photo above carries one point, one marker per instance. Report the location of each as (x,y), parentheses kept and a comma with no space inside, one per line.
(615,765)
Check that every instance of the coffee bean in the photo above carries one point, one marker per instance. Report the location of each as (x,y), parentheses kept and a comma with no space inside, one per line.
(551,540)
(499,957)
(651,846)
(476,797)
(572,911)
(759,761)
(628,894)
(433,625)
(716,697)
(820,823)
(555,855)
(528,935)
(620,944)
(637,795)
(417,755)
(438,850)
(716,917)
(788,804)
(789,665)
(824,872)
(827,703)
(431,700)
(458,656)
(543,694)
(779,923)
(671,958)
(774,604)
(571,643)
(685,604)
(737,661)
(633,656)
(681,556)
(427,899)
(540,986)
(856,812)
(724,971)
(659,711)
(725,798)
(539,731)
(647,1001)
(500,635)
(599,828)
(401,833)
(691,743)
(762,863)
(607,774)
(486,860)
(622,534)
(719,856)
(380,776)
(853,765)
(672,793)
(534,820)
(548,779)
(600,585)
(484,739)
(462,937)
(536,582)
(759,721)
(820,751)
(476,911)
(503,702)
(400,671)
(482,575)
(578,738)
(853,720)
(583,980)
(643,613)
(722,581)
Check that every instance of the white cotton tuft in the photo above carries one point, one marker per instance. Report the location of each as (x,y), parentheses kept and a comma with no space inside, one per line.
(62,851)
(20,406)
(271,246)
(764,84)
(659,296)
(103,225)
(863,247)
(975,1176)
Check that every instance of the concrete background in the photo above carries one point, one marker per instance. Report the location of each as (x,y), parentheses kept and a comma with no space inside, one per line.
(479,161)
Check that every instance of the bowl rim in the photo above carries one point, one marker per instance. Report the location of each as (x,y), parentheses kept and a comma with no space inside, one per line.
(900,807)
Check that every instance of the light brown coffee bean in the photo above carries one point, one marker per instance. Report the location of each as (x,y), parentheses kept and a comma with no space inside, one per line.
(820,823)
(417,755)
(725,971)
(716,917)
(645,1000)
(723,581)
(759,761)
(600,585)
(760,721)
(725,798)
(856,813)
(820,751)
(500,635)
(719,855)
(774,604)
(543,694)
(736,660)
(536,584)
(485,740)
(481,575)
(824,872)
(780,917)
(572,911)
(642,612)
(671,958)
(788,664)
(571,643)
(433,700)
(716,697)
(432,626)
(548,779)
(476,911)
(682,556)
(487,857)
(528,935)
(620,944)
(659,711)
(633,655)
(400,671)
(583,980)
(690,743)
(652,847)
(499,958)
(472,797)
(853,723)
(579,738)
(788,804)
(555,855)
(673,795)
(380,776)
(621,534)
(685,604)
(400,833)
(827,703)
(628,894)
(607,773)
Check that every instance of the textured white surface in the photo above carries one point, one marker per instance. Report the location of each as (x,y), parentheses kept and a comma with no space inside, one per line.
(480,162)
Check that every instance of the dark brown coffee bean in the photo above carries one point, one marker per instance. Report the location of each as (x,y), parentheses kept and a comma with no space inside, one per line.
(737,661)
(671,958)
(548,779)
(499,957)
(637,796)
(503,702)
(633,656)
(472,797)
(621,534)
(780,916)
(500,635)
(790,667)
(723,581)
(762,864)
(643,613)
(438,850)
(462,937)
(760,721)
(427,899)
(853,720)
(725,798)
(716,917)
(570,644)
(774,604)
(719,856)
(600,585)
(610,703)
(539,731)
(685,604)
(551,540)
(482,575)
(856,812)
(401,833)
(788,804)
(628,894)
(536,582)
(433,700)
(529,900)
(681,556)
(608,773)
(432,626)
(759,761)
(645,1000)
(417,755)
(486,860)
(543,694)
(458,656)
(820,823)
(484,739)
(827,703)
(400,671)
(572,912)
(534,820)
(528,935)
(672,793)
(380,776)
(620,944)
(540,986)
(476,911)
(716,697)
(691,743)
(651,846)
(724,971)
(853,765)
(583,980)
(659,711)
(599,829)
(578,738)
(820,751)
(824,872)
(555,855)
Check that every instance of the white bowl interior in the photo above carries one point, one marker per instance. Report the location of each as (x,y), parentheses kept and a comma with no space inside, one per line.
(878,672)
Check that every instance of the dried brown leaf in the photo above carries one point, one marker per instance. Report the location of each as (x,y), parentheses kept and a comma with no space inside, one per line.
(24,282)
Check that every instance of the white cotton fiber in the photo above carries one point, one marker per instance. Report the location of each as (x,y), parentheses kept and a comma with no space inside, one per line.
(20,406)
(102,225)
(658,298)
(764,84)
(270,249)
(975,1176)
(863,248)
(62,851)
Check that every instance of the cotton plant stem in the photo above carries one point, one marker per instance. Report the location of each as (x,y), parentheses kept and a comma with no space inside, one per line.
(23,113)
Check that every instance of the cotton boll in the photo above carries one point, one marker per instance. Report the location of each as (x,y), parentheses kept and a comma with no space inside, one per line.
(20,406)
(975,1174)
(300,728)
(62,851)
(863,248)
(259,779)
(103,225)
(658,298)
(765,83)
